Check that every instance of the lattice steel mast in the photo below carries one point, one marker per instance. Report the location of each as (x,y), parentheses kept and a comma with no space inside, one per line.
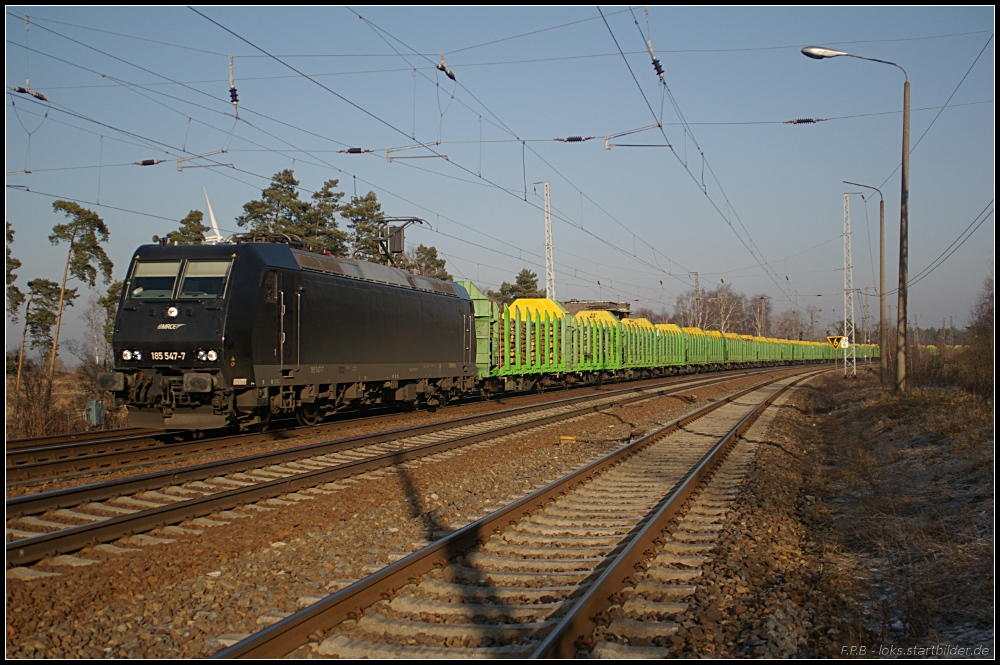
(850,353)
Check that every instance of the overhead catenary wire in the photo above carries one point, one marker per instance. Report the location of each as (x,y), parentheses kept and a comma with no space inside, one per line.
(186,47)
(521,251)
(203,93)
(126,84)
(914,147)
(688,132)
(641,250)
(133,86)
(953,247)
(258,175)
(524,146)
(23,188)
(306,190)
(151,143)
(372,115)
(749,122)
(684,166)
(507,241)
(134,135)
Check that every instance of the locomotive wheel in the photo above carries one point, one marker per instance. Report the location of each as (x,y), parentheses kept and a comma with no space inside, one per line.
(307,414)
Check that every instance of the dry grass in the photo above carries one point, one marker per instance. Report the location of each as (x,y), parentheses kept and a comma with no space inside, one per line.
(34,411)
(909,482)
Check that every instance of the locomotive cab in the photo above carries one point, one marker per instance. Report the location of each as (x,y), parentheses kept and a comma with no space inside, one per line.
(169,340)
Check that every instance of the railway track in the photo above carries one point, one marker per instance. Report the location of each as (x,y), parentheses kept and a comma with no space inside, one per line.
(66,520)
(555,573)
(106,436)
(69,457)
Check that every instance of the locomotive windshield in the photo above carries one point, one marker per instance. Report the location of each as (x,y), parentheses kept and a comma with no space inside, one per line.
(199,279)
(153,279)
(204,279)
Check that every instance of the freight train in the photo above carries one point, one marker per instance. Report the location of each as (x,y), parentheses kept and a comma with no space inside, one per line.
(238,333)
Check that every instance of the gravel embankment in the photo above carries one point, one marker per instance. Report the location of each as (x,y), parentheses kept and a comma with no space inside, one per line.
(864,529)
(176,599)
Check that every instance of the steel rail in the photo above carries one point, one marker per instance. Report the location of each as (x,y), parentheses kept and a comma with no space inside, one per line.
(32,463)
(63,498)
(29,550)
(56,440)
(60,462)
(107,461)
(577,625)
(349,603)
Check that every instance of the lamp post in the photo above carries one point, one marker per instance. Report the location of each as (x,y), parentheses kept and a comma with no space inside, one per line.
(819,53)
(883,332)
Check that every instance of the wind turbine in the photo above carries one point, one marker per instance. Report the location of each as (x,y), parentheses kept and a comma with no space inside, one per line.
(217,238)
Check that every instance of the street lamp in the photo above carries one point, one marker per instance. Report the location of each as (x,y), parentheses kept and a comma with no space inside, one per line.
(819,53)
(883,331)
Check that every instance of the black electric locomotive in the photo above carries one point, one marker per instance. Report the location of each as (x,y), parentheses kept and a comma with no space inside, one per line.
(210,336)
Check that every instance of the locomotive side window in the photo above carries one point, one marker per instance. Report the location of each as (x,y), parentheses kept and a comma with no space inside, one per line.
(153,279)
(271,286)
(204,279)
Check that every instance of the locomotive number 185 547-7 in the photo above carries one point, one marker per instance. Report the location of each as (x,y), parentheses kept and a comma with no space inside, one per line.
(167,355)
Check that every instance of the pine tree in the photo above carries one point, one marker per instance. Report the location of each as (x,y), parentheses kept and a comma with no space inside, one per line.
(14,296)
(320,231)
(84,232)
(365,220)
(525,286)
(279,209)
(424,261)
(47,298)
(191,231)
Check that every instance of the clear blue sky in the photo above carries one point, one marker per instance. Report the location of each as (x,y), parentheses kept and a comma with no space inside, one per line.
(153,83)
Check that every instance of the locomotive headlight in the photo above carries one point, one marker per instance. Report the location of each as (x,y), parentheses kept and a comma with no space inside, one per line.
(207,356)
(126,355)
(137,354)
(172,312)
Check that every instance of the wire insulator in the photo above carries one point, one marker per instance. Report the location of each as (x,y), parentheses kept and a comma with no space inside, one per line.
(26,91)
(444,68)
(232,96)
(149,162)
